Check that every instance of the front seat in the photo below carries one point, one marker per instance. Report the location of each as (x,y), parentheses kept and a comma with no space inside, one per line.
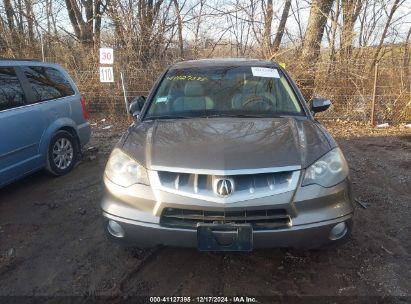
(194,98)
(249,89)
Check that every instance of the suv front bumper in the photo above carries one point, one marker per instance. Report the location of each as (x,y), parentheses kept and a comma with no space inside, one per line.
(145,235)
(314,212)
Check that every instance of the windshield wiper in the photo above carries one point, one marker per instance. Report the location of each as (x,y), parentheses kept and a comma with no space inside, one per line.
(242,115)
(167,117)
(213,116)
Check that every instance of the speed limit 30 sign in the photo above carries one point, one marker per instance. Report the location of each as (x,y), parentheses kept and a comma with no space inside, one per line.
(106,56)
(106,72)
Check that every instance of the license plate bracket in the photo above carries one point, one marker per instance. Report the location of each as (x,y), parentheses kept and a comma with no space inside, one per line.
(224,237)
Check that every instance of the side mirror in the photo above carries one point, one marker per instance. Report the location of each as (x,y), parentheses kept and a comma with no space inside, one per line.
(320,104)
(136,105)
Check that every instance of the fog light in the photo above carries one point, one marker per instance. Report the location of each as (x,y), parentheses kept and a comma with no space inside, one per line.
(338,231)
(115,229)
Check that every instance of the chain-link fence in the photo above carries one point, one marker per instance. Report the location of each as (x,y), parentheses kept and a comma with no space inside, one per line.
(350,84)
(351,89)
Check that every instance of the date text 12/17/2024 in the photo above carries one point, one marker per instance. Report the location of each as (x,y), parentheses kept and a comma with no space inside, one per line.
(203,299)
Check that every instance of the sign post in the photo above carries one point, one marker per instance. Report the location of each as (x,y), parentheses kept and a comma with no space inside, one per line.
(124,94)
(106,57)
(106,72)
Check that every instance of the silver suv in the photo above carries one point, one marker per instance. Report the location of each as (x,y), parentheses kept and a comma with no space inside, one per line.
(225,155)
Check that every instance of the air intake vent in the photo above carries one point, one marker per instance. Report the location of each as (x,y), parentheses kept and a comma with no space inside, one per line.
(260,219)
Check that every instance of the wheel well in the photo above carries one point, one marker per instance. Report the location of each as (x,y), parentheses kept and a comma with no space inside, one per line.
(70,130)
(73,132)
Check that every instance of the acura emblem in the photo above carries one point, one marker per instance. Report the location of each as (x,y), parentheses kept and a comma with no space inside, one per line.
(223,186)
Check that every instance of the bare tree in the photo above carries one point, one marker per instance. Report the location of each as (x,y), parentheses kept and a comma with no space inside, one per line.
(407,59)
(334,26)
(384,33)
(19,16)
(179,28)
(319,12)
(121,18)
(281,26)
(268,20)
(199,20)
(30,19)
(87,28)
(148,12)
(351,10)
(297,19)
(143,27)
(8,7)
(240,21)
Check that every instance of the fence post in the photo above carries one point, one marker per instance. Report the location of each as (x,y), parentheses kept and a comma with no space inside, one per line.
(374,93)
(42,47)
(124,94)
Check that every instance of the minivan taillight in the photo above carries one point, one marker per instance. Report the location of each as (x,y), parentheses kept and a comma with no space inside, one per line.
(83,107)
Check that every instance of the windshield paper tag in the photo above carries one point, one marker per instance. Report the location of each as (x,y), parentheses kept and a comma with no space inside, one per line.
(265,72)
(161,99)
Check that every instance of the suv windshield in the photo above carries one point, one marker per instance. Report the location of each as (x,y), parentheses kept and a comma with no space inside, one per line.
(224,91)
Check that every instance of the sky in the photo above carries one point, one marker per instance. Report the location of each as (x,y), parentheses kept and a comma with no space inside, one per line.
(213,25)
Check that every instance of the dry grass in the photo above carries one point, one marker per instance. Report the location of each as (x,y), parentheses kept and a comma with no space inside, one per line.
(346,128)
(348,83)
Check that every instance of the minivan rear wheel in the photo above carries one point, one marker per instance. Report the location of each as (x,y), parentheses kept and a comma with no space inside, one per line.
(62,153)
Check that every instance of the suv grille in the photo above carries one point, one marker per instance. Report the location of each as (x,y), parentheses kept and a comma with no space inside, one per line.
(247,186)
(259,219)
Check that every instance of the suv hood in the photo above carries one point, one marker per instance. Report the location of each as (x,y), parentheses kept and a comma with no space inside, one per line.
(227,143)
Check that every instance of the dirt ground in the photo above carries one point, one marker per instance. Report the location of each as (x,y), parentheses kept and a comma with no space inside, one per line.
(52,241)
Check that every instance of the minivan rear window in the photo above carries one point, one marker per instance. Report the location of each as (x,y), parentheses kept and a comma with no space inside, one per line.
(11,92)
(47,83)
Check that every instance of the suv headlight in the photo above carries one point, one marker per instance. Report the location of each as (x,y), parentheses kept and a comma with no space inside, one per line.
(328,171)
(124,171)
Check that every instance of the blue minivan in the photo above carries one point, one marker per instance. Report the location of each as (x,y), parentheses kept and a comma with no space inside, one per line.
(43,119)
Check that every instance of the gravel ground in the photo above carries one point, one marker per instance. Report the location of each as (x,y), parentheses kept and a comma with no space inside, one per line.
(52,241)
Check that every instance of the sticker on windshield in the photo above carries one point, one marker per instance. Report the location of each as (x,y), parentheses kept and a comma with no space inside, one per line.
(265,72)
(161,99)
(187,77)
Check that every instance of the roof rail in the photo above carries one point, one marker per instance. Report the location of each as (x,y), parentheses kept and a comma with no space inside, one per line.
(19,59)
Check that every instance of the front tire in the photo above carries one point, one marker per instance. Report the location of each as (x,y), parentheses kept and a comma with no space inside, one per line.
(62,153)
